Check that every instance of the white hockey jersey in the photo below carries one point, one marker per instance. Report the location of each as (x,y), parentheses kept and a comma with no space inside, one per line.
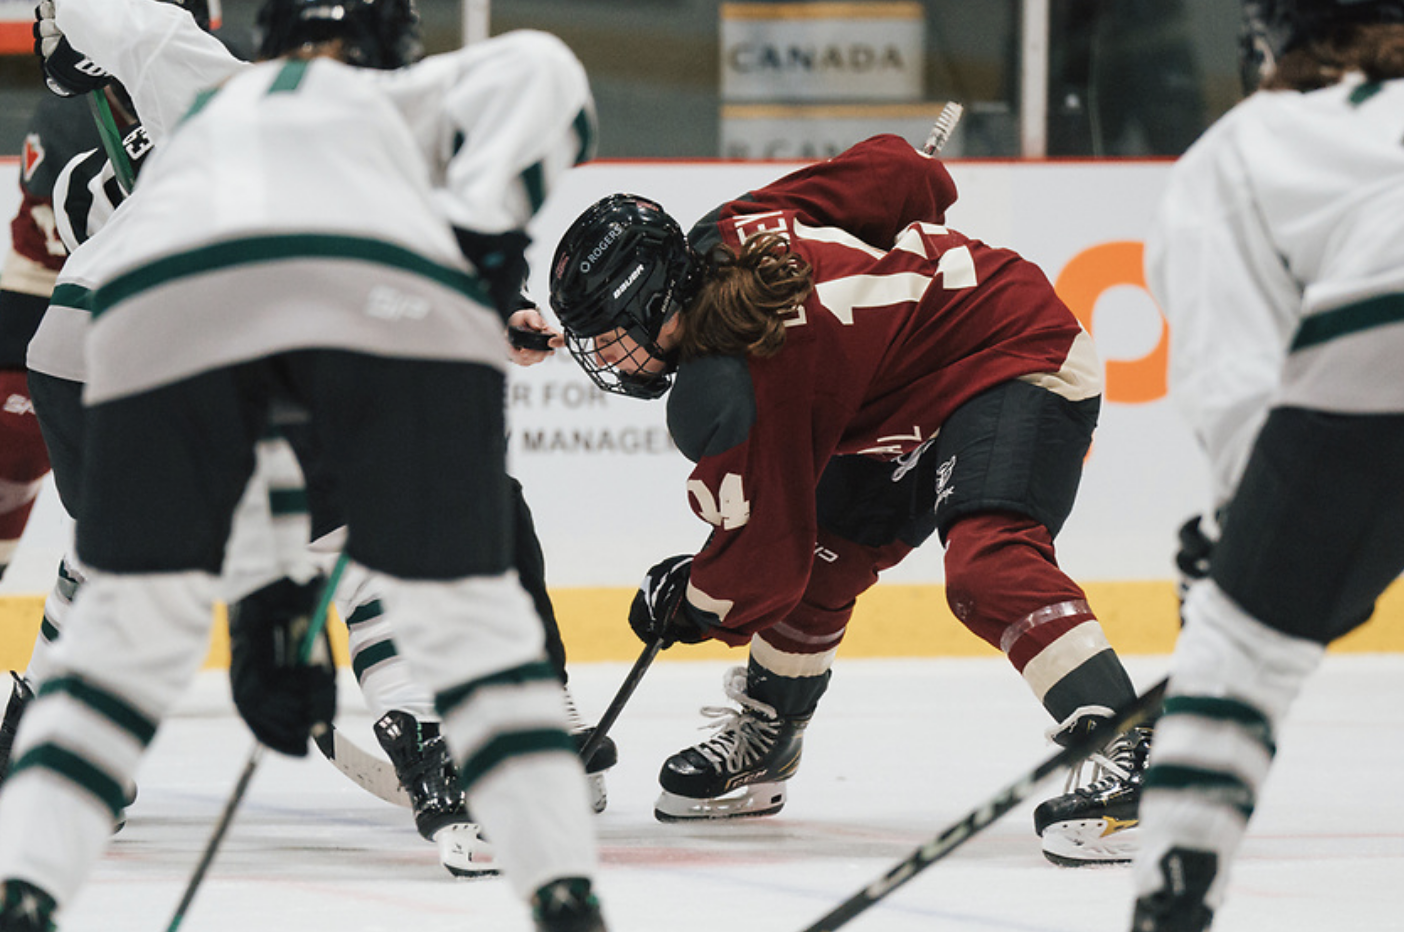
(341,185)
(1278,257)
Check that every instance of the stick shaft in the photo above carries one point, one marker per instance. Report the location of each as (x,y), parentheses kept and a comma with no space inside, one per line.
(981,818)
(111,140)
(225,819)
(626,689)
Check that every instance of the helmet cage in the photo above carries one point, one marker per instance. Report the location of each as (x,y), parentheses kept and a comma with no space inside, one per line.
(641,349)
(621,272)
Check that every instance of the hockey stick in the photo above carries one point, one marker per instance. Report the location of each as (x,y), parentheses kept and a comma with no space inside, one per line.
(626,689)
(377,776)
(1143,707)
(372,774)
(943,127)
(314,630)
(111,139)
(221,827)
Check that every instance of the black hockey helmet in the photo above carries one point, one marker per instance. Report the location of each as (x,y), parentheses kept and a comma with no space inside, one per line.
(1272,28)
(375,33)
(624,266)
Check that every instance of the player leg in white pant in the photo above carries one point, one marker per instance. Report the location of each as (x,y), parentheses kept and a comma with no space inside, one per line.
(477,646)
(136,641)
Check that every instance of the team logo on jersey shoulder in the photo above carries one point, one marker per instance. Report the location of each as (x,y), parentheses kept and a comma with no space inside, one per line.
(31,155)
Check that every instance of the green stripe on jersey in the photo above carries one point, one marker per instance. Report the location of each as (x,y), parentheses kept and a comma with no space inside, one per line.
(364,613)
(1365,91)
(585,130)
(1343,321)
(81,772)
(202,100)
(368,657)
(284,502)
(534,179)
(1225,710)
(536,672)
(75,296)
(115,710)
(513,744)
(276,248)
(1223,788)
(289,77)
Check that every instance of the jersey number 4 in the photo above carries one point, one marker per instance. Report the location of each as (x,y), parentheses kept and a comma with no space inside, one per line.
(729,509)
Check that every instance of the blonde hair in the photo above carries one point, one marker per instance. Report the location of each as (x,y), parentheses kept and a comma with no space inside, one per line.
(1377,51)
(740,304)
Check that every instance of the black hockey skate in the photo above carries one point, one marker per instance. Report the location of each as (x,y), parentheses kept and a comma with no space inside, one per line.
(567,905)
(1098,822)
(741,770)
(25,908)
(1179,906)
(430,779)
(20,697)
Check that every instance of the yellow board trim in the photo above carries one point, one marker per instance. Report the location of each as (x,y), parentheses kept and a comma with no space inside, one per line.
(821,10)
(890,621)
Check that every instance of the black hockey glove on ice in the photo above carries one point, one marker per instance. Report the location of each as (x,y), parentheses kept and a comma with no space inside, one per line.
(67,71)
(281,699)
(659,611)
(500,259)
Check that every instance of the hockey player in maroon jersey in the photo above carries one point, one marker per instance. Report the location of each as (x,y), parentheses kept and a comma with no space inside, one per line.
(850,376)
(57,130)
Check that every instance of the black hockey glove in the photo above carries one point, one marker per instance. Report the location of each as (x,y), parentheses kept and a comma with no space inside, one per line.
(1198,536)
(281,699)
(500,259)
(659,611)
(67,71)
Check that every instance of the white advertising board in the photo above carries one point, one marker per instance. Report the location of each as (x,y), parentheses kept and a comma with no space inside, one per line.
(607,486)
(822,51)
(608,490)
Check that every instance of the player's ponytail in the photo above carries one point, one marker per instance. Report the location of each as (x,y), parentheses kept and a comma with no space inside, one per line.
(1375,50)
(744,298)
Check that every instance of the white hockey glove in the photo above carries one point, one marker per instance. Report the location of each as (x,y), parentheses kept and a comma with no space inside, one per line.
(67,71)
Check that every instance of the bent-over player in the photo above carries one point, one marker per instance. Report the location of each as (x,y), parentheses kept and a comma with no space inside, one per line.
(851,376)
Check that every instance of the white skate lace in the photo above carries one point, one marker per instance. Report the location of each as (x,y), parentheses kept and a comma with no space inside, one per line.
(741,738)
(1107,769)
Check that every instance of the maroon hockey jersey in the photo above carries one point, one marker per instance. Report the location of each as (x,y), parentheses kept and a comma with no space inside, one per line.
(908,319)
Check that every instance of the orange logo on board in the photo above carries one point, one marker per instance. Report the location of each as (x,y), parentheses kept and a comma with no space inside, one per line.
(1086,277)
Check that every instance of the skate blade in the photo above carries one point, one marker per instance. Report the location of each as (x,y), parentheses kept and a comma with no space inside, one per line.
(1091,842)
(464,852)
(748,802)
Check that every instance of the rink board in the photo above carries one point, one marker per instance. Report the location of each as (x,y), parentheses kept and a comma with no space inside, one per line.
(595,466)
(891,620)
